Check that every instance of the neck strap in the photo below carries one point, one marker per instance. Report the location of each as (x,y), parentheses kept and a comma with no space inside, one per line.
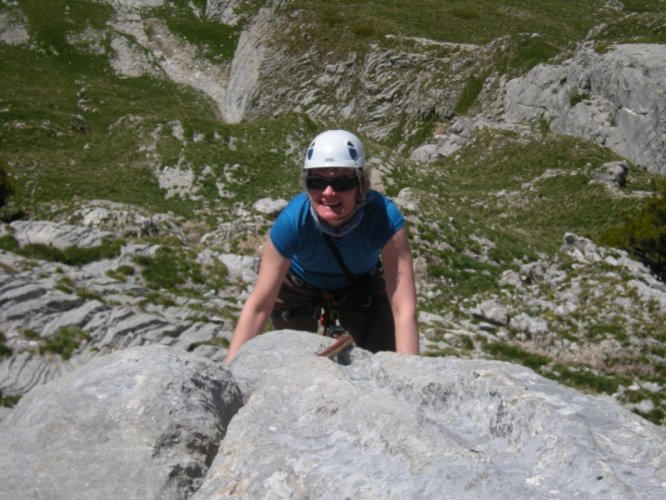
(337,255)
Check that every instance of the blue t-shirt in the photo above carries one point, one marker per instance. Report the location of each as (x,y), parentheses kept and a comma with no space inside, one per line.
(296,237)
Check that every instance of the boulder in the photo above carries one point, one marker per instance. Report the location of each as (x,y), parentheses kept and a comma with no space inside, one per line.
(152,422)
(613,175)
(139,423)
(397,426)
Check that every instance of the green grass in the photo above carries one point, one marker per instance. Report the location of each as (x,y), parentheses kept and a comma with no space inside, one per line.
(523,196)
(72,256)
(121,273)
(215,41)
(168,269)
(462,21)
(48,23)
(551,178)
(647,27)
(54,163)
(469,94)
(65,342)
(515,354)
(585,379)
(602,330)
(176,269)
(75,131)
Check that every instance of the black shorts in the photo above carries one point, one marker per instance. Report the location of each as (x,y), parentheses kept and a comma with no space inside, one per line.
(364,310)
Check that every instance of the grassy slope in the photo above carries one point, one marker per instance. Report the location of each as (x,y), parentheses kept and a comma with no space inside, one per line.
(59,150)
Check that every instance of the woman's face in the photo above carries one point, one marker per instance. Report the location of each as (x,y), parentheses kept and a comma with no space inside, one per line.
(334,207)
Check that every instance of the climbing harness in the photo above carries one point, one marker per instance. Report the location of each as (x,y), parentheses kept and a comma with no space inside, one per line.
(332,328)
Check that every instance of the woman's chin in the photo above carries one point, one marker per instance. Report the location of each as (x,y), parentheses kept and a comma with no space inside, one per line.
(332,217)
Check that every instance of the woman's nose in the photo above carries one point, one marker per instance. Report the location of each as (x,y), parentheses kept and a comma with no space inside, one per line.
(329,190)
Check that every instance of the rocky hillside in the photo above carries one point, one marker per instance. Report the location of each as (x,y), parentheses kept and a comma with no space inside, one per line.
(153,141)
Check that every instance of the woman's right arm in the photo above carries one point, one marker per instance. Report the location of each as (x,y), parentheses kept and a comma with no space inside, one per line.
(259,305)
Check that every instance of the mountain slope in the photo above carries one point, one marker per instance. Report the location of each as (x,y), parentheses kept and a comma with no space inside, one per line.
(156,106)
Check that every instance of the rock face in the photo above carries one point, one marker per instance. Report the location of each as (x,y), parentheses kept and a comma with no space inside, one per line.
(139,423)
(146,423)
(146,46)
(244,74)
(615,98)
(395,426)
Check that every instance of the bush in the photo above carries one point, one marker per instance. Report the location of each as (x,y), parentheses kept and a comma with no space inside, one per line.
(4,350)
(9,400)
(7,186)
(9,243)
(643,235)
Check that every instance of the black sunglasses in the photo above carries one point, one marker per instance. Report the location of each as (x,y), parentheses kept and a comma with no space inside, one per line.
(339,184)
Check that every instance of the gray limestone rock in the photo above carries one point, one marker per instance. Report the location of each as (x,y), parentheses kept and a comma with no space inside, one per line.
(615,98)
(270,207)
(613,175)
(58,235)
(396,426)
(13,27)
(140,423)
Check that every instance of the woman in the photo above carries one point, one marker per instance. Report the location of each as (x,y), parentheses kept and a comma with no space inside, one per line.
(338,236)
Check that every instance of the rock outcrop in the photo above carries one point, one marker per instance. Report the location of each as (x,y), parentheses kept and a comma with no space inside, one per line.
(147,423)
(615,98)
(39,300)
(139,423)
(13,28)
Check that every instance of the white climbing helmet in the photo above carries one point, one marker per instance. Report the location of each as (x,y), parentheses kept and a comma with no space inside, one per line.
(335,148)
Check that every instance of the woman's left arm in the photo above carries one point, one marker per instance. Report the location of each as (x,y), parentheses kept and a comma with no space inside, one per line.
(401,291)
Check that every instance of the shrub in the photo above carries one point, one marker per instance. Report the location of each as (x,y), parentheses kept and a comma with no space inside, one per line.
(121,273)
(8,243)
(643,234)
(9,400)
(7,186)
(4,350)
